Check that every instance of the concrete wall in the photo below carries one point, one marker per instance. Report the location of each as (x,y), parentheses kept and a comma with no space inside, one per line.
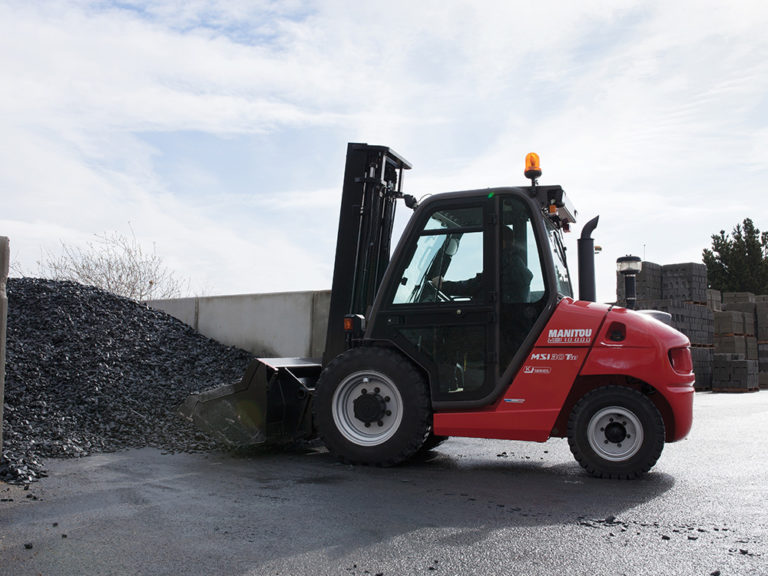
(4,263)
(283,324)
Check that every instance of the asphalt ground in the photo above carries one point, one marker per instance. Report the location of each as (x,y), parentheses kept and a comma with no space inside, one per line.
(474,507)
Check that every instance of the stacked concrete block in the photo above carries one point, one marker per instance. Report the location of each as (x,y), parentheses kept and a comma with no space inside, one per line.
(714,300)
(749,309)
(729,322)
(684,289)
(755,311)
(752,348)
(761,331)
(728,331)
(761,321)
(693,320)
(702,366)
(731,344)
(737,298)
(762,356)
(734,373)
(686,282)
(736,358)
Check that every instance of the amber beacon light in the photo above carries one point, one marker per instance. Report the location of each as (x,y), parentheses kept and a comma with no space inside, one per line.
(532,166)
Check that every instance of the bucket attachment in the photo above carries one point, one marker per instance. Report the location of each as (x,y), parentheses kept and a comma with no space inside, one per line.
(270,405)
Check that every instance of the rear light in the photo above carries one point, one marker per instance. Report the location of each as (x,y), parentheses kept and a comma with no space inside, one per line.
(681,361)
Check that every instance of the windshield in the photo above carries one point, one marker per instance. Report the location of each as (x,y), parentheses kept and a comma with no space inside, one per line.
(562,277)
(449,249)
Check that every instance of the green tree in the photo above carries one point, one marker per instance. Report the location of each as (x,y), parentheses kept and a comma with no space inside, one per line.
(738,262)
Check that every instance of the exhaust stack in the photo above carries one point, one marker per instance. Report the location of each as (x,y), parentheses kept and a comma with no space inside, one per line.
(586,252)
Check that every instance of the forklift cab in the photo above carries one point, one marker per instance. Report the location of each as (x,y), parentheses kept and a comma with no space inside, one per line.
(471,286)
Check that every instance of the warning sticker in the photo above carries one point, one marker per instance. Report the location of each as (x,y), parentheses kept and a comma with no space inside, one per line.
(570,336)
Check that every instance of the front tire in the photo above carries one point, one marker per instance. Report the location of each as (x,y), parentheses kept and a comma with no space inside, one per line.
(616,432)
(372,407)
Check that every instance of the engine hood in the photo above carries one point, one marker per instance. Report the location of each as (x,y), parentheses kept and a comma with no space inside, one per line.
(582,324)
(640,330)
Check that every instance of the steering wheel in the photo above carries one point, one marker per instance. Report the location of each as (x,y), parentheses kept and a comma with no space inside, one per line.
(431,293)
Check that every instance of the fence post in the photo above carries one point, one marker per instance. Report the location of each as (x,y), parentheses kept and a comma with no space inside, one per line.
(4,262)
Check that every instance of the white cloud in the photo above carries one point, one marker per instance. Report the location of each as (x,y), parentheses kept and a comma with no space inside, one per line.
(650,114)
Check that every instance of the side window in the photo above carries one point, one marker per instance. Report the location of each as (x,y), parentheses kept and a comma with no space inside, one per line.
(447,262)
(523,287)
(522,276)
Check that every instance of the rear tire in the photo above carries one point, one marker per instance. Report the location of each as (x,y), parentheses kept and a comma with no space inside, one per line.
(616,432)
(372,407)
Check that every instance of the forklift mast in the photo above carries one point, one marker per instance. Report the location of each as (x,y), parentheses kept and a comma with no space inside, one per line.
(372,184)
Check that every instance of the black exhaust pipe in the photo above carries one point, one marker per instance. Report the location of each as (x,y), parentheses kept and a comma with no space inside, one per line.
(586,249)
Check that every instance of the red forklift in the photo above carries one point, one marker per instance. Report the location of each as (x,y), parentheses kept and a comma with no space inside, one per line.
(470,328)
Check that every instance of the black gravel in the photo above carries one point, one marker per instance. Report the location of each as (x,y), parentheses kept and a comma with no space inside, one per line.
(88,372)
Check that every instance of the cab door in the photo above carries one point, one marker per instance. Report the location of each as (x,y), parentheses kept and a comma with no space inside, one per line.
(460,297)
(439,308)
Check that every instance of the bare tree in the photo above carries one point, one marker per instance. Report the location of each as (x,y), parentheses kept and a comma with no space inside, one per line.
(116,263)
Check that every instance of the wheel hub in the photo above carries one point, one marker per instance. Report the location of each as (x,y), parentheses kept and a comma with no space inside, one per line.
(615,432)
(369,408)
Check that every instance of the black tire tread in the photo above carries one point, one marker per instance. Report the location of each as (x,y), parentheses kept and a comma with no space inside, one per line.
(639,464)
(415,397)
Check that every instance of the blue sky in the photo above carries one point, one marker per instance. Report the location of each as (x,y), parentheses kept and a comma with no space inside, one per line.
(216,131)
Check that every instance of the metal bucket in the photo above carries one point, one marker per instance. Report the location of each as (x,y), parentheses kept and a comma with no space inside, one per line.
(270,405)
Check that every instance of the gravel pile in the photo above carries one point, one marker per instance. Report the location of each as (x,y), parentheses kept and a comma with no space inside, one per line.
(88,371)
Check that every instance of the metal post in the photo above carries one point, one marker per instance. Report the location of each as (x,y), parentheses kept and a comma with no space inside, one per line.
(630,290)
(4,262)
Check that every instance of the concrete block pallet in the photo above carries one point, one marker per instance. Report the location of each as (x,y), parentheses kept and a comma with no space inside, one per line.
(734,373)
(694,320)
(737,297)
(714,300)
(728,331)
(702,367)
(761,319)
(729,322)
(686,282)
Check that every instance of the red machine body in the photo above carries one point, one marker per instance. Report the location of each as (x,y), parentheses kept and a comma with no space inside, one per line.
(584,346)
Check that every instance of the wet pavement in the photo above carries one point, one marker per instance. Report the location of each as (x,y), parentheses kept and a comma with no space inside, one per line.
(475,507)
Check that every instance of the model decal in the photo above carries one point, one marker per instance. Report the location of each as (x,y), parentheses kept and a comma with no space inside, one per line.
(556,357)
(570,336)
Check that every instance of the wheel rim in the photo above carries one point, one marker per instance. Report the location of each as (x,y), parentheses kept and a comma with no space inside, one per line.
(615,433)
(367,408)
